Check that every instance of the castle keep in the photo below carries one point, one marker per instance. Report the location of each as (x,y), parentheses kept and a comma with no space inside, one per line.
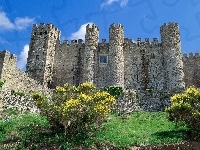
(136,65)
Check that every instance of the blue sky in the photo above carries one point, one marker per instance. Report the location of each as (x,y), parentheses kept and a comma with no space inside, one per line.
(140,18)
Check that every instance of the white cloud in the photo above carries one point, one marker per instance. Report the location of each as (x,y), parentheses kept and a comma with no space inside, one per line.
(22,23)
(110,2)
(5,22)
(123,3)
(22,58)
(18,24)
(80,34)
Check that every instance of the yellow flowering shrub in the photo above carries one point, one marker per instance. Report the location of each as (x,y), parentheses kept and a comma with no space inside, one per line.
(76,108)
(186,107)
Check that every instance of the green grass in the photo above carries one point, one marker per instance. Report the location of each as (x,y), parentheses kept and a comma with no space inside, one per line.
(141,128)
(32,131)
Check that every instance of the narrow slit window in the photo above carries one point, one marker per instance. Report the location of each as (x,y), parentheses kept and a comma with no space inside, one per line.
(152,56)
(103,59)
(37,57)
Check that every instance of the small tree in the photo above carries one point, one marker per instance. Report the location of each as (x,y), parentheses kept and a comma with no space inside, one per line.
(75,109)
(115,91)
(186,107)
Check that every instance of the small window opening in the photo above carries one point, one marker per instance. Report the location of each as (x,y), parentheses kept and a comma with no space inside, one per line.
(40,33)
(103,59)
(152,56)
(37,57)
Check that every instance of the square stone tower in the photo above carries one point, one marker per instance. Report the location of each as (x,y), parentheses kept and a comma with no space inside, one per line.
(44,39)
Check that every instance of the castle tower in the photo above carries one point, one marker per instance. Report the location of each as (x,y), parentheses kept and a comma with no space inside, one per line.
(172,57)
(91,43)
(41,52)
(116,56)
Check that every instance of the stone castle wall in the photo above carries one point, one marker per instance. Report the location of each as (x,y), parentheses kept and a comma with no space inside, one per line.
(143,64)
(68,63)
(191,67)
(136,65)
(16,79)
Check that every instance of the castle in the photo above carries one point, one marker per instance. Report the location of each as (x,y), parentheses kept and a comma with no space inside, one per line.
(136,65)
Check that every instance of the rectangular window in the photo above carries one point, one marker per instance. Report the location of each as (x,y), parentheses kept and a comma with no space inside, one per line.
(103,59)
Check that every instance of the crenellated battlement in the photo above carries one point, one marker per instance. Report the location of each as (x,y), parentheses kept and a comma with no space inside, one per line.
(116,26)
(170,25)
(191,55)
(42,26)
(7,55)
(147,41)
(91,28)
(43,29)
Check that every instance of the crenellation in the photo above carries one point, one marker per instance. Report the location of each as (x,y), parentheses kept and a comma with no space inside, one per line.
(66,42)
(118,25)
(155,41)
(73,42)
(80,41)
(146,40)
(139,40)
(190,55)
(197,55)
(185,55)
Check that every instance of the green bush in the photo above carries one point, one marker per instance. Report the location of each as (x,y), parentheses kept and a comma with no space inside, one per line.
(186,107)
(115,91)
(75,109)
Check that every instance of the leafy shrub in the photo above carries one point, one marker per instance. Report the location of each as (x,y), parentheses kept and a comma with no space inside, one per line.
(75,109)
(186,107)
(115,91)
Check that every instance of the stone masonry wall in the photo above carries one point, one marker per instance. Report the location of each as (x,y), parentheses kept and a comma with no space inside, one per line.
(44,39)
(143,61)
(17,102)
(68,63)
(191,68)
(15,78)
(103,69)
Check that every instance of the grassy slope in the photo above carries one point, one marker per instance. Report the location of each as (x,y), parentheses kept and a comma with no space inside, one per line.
(141,128)
(135,129)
